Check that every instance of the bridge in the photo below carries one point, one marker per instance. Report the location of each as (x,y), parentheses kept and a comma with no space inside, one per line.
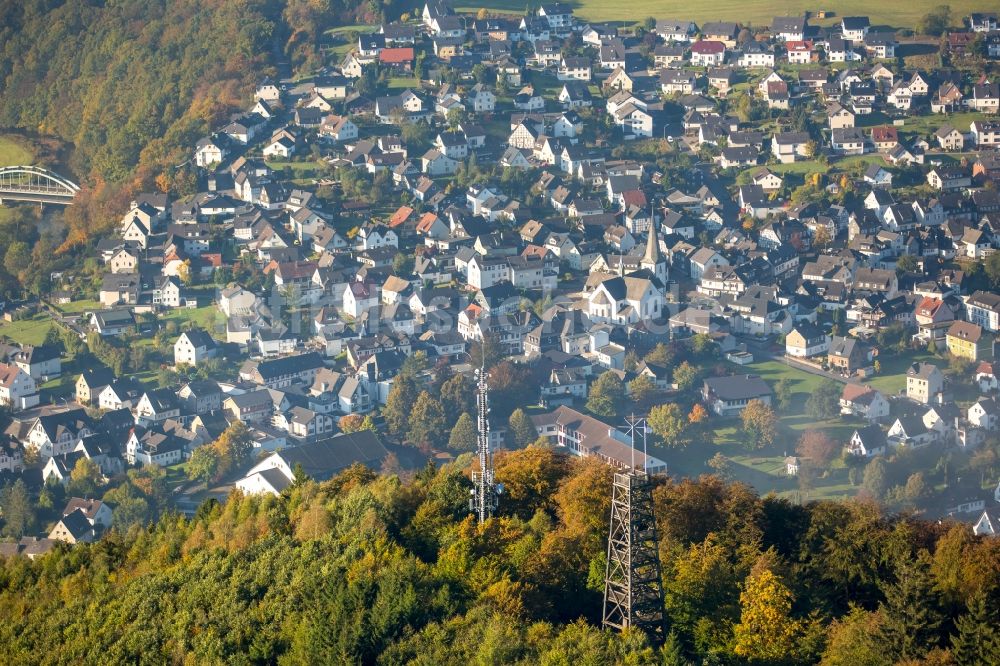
(37,185)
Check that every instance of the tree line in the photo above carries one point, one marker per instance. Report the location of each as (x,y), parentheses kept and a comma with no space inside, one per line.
(369,568)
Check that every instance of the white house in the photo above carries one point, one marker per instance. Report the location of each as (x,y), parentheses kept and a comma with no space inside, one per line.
(193,347)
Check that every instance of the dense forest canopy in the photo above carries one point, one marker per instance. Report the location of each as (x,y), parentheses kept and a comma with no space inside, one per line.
(370,568)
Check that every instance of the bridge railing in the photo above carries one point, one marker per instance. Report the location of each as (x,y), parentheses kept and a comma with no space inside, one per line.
(35,180)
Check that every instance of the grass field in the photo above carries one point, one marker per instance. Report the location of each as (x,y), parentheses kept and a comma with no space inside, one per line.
(14,152)
(755,12)
(31,331)
(206,316)
(78,307)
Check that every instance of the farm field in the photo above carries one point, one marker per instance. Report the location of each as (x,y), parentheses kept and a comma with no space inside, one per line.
(896,14)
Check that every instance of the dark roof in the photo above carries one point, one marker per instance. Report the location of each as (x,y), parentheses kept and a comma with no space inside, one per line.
(738,387)
(76,523)
(322,460)
(287,365)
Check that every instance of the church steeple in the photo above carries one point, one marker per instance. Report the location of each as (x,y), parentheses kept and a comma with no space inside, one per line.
(652,255)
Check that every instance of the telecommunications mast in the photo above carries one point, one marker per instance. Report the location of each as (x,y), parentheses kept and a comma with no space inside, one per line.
(485,493)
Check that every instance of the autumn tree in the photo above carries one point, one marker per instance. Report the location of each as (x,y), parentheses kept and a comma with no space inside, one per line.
(606,395)
(85,477)
(463,434)
(759,424)
(698,414)
(852,640)
(816,447)
(356,423)
(766,631)
(529,477)
(232,447)
(488,351)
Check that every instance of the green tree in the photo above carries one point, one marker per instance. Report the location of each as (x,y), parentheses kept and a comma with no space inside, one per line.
(824,402)
(976,640)
(660,355)
(522,431)
(875,481)
(402,264)
(203,464)
(936,21)
(911,612)
(463,434)
(607,394)
(401,399)
(641,388)
(906,264)
(783,393)
(130,507)
(458,395)
(686,376)
(427,424)
(668,422)
(17,259)
(18,512)
(415,364)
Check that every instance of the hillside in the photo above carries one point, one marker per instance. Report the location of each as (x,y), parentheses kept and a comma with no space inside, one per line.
(372,569)
(133,84)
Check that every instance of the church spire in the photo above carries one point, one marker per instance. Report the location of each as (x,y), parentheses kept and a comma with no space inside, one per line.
(652,254)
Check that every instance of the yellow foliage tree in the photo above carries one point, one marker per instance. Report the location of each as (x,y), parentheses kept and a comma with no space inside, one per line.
(766,630)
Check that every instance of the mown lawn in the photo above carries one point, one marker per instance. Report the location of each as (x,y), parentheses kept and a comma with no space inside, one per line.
(14,152)
(78,307)
(755,12)
(207,316)
(892,376)
(31,331)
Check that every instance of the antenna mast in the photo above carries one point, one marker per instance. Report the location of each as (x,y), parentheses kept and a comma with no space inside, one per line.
(485,493)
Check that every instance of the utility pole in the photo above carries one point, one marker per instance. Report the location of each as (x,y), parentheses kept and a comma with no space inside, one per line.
(485,492)
(633,589)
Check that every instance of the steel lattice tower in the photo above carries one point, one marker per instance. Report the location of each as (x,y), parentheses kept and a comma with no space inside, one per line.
(633,589)
(485,493)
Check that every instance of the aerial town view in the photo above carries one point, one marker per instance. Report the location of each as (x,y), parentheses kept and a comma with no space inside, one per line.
(377,332)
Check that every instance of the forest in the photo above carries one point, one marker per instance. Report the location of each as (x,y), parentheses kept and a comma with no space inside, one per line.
(375,568)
